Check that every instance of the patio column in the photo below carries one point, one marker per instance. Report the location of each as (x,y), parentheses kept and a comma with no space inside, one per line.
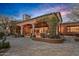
(21,31)
(33,27)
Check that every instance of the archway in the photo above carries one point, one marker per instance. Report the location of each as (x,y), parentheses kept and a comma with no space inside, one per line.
(27,29)
(41,29)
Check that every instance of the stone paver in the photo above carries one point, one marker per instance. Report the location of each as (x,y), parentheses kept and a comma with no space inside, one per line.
(28,47)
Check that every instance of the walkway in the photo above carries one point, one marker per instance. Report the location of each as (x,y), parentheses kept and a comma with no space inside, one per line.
(28,47)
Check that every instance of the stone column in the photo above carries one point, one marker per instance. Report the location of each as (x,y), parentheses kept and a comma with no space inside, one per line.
(33,28)
(21,31)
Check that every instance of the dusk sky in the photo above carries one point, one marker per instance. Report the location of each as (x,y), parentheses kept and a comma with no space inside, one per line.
(16,10)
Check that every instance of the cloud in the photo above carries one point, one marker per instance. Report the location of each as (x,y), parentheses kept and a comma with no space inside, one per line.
(64,13)
(45,9)
(62,9)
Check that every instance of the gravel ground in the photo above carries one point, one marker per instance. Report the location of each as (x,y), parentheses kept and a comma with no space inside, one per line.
(28,47)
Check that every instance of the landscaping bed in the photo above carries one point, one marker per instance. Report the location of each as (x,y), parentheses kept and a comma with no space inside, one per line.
(49,40)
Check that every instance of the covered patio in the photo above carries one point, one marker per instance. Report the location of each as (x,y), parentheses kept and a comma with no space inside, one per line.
(38,28)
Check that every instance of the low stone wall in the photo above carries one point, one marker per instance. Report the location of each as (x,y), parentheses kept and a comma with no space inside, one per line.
(49,40)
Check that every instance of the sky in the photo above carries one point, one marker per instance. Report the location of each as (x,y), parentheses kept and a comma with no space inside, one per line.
(16,10)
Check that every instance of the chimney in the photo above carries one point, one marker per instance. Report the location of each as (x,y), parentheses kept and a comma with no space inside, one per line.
(26,17)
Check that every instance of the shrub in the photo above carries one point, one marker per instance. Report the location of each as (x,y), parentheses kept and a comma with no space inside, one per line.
(22,35)
(0,45)
(1,35)
(54,36)
(4,45)
(43,35)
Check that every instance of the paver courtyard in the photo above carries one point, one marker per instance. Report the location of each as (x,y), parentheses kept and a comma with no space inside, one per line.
(27,47)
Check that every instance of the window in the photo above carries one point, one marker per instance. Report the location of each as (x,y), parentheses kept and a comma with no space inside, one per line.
(73,29)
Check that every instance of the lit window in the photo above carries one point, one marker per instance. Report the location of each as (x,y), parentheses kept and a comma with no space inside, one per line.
(73,29)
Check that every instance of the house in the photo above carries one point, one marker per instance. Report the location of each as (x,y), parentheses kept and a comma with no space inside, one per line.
(44,24)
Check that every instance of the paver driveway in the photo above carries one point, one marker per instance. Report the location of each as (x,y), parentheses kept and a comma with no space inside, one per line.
(27,47)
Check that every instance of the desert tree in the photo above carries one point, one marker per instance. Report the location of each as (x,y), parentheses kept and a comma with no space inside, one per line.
(74,13)
(4,25)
